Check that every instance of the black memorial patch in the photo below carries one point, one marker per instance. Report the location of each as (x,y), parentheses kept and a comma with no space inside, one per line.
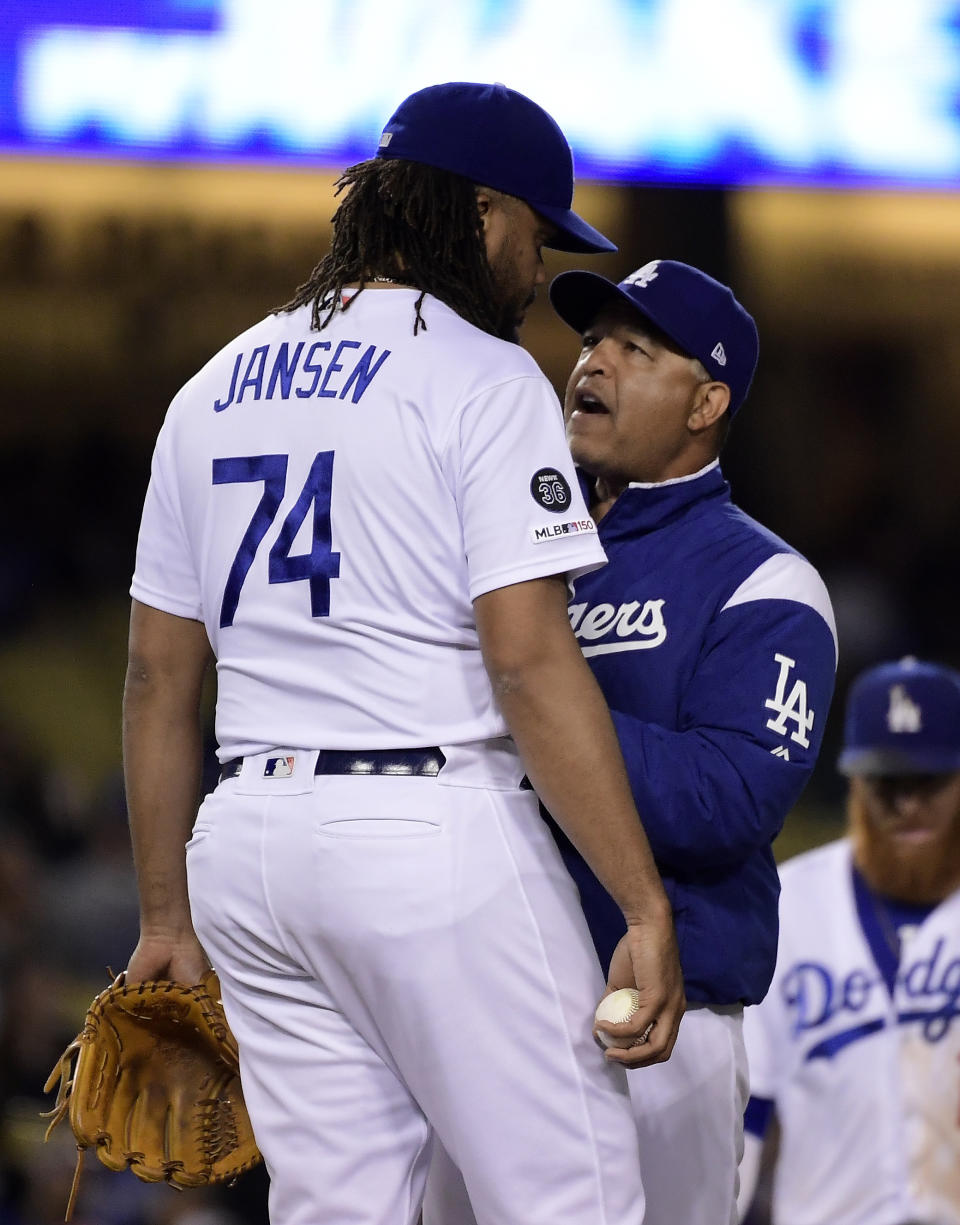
(550,490)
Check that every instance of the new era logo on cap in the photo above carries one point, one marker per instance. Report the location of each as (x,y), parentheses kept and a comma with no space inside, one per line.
(718,354)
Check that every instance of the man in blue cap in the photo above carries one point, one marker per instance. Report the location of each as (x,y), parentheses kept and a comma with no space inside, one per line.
(714,645)
(855,1052)
(365,509)
(469,183)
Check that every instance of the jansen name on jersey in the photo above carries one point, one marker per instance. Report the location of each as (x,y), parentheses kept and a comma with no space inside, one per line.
(335,572)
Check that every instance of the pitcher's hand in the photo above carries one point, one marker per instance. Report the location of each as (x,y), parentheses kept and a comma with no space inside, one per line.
(158,955)
(646,958)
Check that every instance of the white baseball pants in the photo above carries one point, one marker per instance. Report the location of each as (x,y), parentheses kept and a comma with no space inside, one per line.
(401,958)
(689,1117)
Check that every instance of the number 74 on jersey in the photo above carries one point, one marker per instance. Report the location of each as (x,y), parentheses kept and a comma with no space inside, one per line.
(318,566)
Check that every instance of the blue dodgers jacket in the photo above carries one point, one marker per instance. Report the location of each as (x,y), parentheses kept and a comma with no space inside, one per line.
(714,644)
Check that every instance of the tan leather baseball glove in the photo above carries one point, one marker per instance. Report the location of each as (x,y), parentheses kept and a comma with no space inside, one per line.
(155,1086)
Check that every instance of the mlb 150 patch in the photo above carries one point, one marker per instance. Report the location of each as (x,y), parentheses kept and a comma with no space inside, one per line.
(550,490)
(556,531)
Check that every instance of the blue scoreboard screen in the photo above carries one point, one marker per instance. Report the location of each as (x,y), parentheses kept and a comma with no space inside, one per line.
(738,92)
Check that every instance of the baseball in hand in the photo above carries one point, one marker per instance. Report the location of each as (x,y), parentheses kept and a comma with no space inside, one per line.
(616,1007)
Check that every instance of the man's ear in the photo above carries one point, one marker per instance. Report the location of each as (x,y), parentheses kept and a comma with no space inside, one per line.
(710,402)
(484,204)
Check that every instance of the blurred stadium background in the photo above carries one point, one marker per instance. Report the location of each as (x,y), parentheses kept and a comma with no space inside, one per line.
(166,177)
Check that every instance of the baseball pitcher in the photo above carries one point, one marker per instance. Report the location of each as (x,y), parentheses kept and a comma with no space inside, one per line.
(364,509)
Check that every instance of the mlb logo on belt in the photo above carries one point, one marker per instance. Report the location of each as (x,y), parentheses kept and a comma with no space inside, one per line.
(279,767)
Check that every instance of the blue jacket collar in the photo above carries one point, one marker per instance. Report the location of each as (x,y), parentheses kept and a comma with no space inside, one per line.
(646,507)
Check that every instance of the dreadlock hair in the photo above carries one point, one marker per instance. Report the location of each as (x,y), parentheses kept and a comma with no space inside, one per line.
(411,223)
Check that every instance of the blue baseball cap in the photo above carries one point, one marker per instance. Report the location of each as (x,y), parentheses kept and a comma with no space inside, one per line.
(903,718)
(497,138)
(700,316)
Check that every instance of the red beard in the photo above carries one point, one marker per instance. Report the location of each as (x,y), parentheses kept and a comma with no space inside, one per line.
(922,875)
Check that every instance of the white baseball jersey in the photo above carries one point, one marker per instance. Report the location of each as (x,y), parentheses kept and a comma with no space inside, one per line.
(330,503)
(865,1081)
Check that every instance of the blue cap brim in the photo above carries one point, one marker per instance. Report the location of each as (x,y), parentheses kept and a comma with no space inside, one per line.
(575,234)
(578,297)
(898,762)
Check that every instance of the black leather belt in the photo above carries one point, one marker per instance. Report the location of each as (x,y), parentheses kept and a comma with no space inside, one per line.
(395,763)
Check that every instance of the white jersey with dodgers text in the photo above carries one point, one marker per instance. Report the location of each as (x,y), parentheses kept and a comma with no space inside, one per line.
(865,1081)
(329,503)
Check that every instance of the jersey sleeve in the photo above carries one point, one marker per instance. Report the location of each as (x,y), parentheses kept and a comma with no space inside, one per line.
(165,576)
(751,722)
(521,508)
(761,1025)
(749,1171)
